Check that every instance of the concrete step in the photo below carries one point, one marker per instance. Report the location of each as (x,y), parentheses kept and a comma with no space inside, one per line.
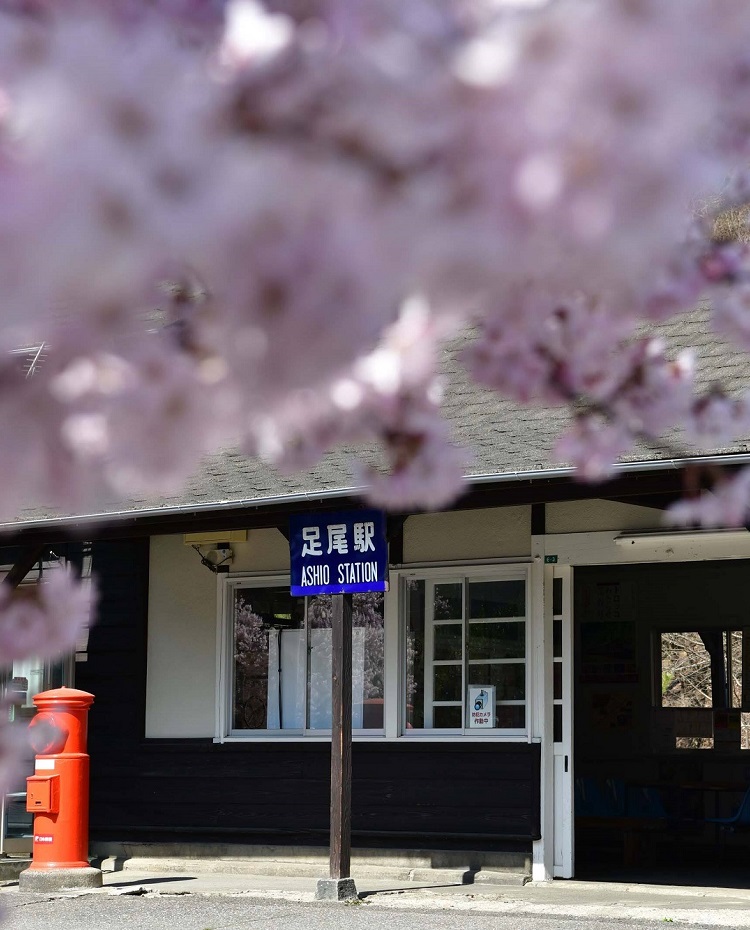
(12,866)
(300,869)
(447,867)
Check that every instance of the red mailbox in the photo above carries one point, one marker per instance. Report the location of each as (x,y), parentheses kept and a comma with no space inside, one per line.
(58,793)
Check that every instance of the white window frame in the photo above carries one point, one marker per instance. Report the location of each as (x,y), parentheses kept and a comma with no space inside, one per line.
(514,571)
(227,586)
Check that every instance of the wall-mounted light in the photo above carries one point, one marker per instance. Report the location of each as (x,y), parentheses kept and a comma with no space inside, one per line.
(218,559)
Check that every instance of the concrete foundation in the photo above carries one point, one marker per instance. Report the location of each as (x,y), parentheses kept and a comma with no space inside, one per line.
(59,879)
(401,865)
(336,889)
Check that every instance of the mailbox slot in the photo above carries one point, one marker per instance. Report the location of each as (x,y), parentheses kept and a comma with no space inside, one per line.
(43,794)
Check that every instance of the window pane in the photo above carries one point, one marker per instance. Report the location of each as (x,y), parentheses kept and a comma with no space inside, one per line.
(734,662)
(557,723)
(557,591)
(367,661)
(448,682)
(449,601)
(511,717)
(415,604)
(744,731)
(497,640)
(557,681)
(269,659)
(509,680)
(685,670)
(497,599)
(449,641)
(557,639)
(368,623)
(447,717)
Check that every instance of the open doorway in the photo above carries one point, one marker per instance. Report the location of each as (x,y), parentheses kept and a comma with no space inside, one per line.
(662,721)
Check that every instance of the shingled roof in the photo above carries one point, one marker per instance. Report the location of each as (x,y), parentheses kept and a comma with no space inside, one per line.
(507,442)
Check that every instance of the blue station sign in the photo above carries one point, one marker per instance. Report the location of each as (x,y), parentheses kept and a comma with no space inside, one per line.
(338,553)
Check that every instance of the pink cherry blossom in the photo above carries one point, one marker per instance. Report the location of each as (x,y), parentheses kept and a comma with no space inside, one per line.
(259,224)
(44,620)
(725,505)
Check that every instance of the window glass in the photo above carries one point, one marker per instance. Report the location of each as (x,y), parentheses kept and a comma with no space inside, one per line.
(557,638)
(282,660)
(488,640)
(557,596)
(685,670)
(511,716)
(415,659)
(367,661)
(449,602)
(508,679)
(557,723)
(448,717)
(448,682)
(489,599)
(449,641)
(269,659)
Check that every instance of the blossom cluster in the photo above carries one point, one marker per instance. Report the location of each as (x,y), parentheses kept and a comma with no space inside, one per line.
(220,221)
(258,223)
(43,620)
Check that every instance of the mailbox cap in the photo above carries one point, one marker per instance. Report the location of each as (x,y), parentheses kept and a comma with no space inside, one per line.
(61,697)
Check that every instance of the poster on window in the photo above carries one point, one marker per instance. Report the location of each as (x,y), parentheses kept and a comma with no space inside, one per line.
(338,553)
(481,707)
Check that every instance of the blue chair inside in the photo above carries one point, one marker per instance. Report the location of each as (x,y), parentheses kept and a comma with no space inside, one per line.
(739,819)
(595,797)
(646,803)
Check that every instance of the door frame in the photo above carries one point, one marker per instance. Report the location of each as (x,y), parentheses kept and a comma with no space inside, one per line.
(563,837)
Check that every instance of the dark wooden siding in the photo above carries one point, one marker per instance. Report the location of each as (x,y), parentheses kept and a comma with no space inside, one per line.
(407,795)
(413,794)
(115,672)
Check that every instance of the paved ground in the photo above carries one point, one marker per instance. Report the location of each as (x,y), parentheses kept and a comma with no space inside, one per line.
(238,912)
(222,901)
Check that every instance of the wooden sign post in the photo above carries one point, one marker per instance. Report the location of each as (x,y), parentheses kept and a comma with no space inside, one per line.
(341,751)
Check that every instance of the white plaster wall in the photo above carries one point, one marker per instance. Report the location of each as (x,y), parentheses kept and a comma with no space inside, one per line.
(599,515)
(496,532)
(264,551)
(180,682)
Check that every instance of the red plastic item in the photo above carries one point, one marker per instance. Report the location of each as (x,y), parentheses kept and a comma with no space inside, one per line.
(58,792)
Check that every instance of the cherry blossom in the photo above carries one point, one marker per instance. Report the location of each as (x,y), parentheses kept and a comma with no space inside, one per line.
(314,169)
(259,224)
(45,619)
(723,505)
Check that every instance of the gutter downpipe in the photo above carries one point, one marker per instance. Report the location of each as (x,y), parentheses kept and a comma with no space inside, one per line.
(534,474)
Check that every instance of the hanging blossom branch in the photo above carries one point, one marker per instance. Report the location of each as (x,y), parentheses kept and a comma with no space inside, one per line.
(337,189)
(623,387)
(314,169)
(43,620)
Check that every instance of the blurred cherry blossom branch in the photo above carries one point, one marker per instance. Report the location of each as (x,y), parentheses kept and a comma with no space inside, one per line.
(333,191)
